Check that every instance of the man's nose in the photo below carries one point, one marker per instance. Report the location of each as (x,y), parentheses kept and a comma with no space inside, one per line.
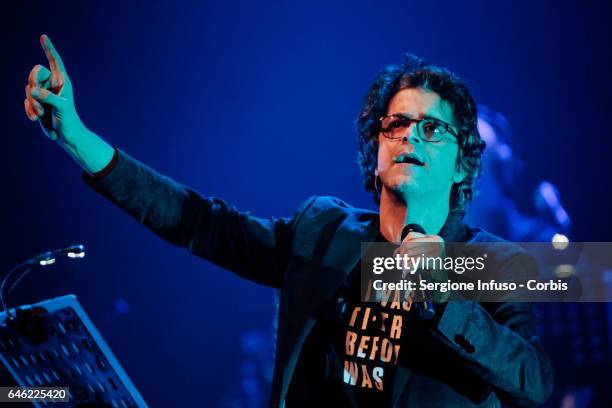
(410,134)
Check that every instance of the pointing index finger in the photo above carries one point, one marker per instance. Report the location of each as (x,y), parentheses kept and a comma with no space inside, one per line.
(55,61)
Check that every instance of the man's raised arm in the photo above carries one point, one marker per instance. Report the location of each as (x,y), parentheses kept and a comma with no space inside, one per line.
(254,248)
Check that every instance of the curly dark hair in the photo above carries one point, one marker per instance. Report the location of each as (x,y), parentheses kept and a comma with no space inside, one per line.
(416,73)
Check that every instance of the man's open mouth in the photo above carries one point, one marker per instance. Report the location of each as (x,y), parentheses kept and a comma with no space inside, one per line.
(409,158)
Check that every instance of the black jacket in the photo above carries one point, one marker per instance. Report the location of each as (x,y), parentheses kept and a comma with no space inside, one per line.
(477,354)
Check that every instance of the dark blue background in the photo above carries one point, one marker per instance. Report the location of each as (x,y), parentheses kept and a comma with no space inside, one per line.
(254,102)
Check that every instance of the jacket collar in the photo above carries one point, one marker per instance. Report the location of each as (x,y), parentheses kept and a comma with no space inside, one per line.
(454,229)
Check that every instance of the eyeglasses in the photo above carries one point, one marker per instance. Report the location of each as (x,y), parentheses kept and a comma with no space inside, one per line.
(428,129)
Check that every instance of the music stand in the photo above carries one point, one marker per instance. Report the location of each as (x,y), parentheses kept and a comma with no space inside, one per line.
(54,344)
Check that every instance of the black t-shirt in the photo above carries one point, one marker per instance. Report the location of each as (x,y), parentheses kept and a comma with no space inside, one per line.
(350,356)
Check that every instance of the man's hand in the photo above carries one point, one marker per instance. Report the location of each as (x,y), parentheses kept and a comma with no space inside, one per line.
(50,101)
(430,246)
(49,98)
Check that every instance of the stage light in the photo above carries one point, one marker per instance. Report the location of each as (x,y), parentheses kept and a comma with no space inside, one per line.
(564,271)
(560,241)
(46,261)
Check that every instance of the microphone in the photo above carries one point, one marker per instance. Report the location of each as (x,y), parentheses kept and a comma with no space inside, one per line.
(411,228)
(426,307)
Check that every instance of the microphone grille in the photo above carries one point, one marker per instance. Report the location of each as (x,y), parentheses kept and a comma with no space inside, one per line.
(411,228)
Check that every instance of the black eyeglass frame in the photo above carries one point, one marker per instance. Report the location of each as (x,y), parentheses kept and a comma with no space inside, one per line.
(448,128)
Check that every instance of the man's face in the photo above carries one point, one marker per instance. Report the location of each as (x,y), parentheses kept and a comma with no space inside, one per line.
(435,177)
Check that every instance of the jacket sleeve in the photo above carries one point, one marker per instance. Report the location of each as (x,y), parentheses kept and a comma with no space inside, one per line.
(498,342)
(254,248)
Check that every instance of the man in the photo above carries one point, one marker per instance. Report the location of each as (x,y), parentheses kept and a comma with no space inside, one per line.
(420,155)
